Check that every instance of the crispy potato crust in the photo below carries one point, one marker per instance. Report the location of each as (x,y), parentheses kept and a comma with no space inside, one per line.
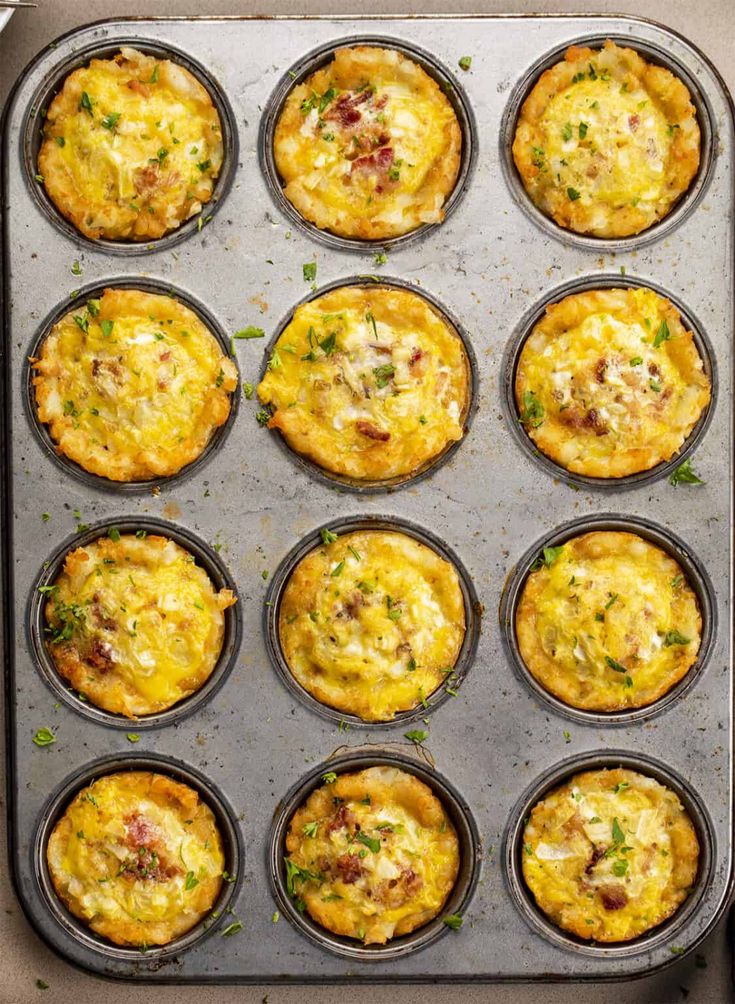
(368,382)
(132,386)
(610,854)
(372,623)
(609,622)
(134,624)
(607,143)
(368,146)
(138,857)
(132,147)
(372,855)
(610,382)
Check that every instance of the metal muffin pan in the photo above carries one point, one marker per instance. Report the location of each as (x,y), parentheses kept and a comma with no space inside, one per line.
(205,558)
(403,480)
(79,298)
(470,854)
(272,609)
(313,61)
(52,83)
(656,52)
(255,740)
(648,530)
(510,368)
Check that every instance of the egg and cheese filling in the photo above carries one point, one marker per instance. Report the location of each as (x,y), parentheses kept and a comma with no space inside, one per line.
(606,143)
(138,857)
(368,146)
(132,385)
(372,622)
(369,382)
(132,147)
(610,382)
(371,855)
(610,854)
(134,624)
(608,621)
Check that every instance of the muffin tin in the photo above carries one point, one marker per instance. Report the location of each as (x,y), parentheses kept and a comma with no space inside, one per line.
(252,745)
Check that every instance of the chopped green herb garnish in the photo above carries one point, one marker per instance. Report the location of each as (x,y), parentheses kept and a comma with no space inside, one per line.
(573,194)
(110,121)
(309,270)
(133,737)
(684,475)
(465,62)
(453,921)
(533,411)
(370,842)
(547,557)
(613,664)
(675,638)
(44,737)
(662,334)
(417,735)
(328,537)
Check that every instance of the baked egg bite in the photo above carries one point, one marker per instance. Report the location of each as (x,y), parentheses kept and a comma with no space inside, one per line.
(132,386)
(368,382)
(138,857)
(372,622)
(371,854)
(610,382)
(131,147)
(609,855)
(606,143)
(607,621)
(133,623)
(368,146)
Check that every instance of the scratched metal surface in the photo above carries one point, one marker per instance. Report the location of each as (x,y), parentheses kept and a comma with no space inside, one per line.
(489,264)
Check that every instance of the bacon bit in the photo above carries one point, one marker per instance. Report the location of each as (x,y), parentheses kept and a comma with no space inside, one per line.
(381,102)
(379,162)
(146,177)
(350,868)
(653,369)
(411,881)
(372,431)
(110,366)
(164,357)
(140,832)
(352,606)
(613,897)
(343,819)
(100,655)
(139,88)
(574,824)
(600,368)
(593,421)
(597,853)
(633,122)
(344,111)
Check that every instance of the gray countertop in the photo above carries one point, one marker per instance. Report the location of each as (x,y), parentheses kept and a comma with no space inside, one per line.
(702,978)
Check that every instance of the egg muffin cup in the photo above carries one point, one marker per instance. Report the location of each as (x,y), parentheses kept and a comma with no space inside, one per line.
(654,57)
(376,485)
(34,135)
(673,548)
(79,306)
(455,675)
(458,812)
(463,157)
(693,840)
(684,324)
(38,626)
(212,805)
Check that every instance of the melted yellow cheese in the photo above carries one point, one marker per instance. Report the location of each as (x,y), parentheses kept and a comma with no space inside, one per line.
(610,854)
(138,857)
(609,621)
(372,855)
(132,146)
(372,623)
(368,382)
(132,385)
(606,143)
(610,382)
(368,146)
(134,623)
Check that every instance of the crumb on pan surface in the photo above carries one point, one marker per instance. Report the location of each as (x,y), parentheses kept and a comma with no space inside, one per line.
(607,143)
(372,623)
(138,857)
(609,855)
(608,621)
(132,385)
(610,382)
(368,146)
(372,855)
(132,147)
(368,382)
(133,623)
